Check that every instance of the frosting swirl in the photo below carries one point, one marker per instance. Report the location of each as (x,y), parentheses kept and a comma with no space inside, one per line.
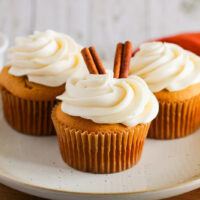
(166,66)
(47,58)
(104,99)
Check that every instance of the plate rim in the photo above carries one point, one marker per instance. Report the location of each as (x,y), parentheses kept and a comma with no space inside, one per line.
(192,180)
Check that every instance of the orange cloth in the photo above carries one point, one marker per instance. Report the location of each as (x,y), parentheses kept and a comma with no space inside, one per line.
(189,41)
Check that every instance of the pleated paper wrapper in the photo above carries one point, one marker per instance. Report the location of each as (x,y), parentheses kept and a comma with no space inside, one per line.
(100,152)
(26,116)
(176,119)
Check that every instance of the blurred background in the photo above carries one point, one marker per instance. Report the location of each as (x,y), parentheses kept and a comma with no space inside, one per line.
(102,23)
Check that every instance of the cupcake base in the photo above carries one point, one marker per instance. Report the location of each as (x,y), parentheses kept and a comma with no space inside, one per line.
(26,116)
(98,151)
(176,119)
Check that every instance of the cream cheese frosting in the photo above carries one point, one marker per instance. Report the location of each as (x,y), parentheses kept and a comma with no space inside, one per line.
(166,66)
(107,100)
(47,58)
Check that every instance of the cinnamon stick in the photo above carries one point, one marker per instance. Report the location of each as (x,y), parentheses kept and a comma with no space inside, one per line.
(92,61)
(118,60)
(89,61)
(122,59)
(97,61)
(126,58)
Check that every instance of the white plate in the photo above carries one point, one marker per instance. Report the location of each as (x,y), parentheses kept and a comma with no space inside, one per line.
(33,165)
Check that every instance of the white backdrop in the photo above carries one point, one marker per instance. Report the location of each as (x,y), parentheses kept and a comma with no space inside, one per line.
(102,23)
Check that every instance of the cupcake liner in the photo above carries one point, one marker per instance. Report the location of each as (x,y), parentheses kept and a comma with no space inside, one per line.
(100,152)
(176,119)
(26,116)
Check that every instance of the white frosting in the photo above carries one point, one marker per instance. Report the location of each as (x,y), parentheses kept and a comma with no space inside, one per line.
(47,58)
(166,66)
(104,99)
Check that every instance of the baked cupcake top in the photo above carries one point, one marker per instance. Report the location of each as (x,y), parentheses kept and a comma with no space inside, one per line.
(165,66)
(104,99)
(47,58)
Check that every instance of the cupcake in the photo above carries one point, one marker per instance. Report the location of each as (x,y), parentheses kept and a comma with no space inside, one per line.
(173,75)
(38,67)
(102,122)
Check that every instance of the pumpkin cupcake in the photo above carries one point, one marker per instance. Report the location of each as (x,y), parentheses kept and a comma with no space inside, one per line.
(38,68)
(173,75)
(102,122)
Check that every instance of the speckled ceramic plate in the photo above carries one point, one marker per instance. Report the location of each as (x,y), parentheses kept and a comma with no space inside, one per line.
(33,165)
